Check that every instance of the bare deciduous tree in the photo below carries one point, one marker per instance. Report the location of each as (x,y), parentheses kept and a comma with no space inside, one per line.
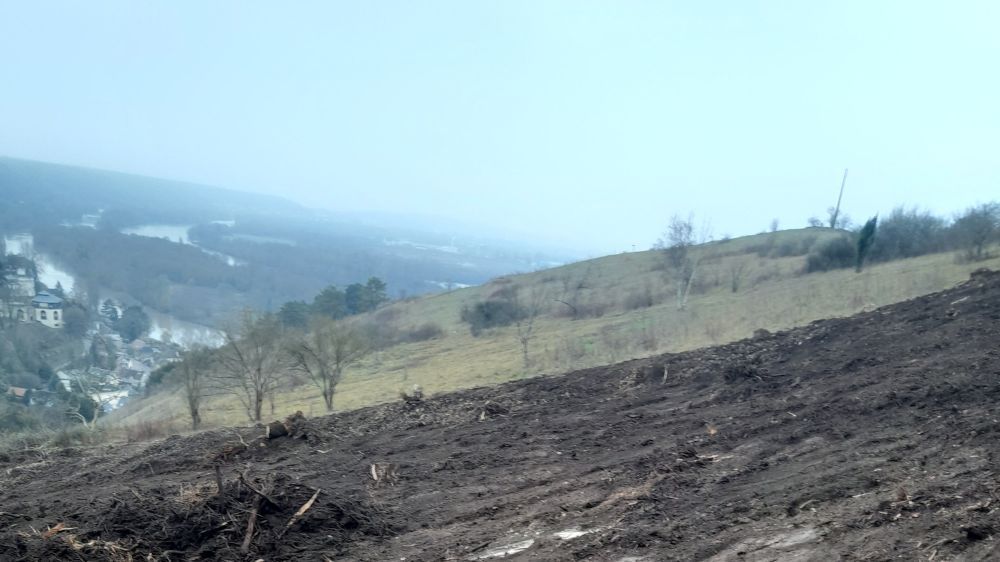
(976,228)
(737,271)
(250,361)
(325,351)
(92,386)
(682,263)
(194,372)
(572,289)
(528,306)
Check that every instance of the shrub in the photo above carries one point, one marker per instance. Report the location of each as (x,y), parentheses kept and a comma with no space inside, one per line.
(976,229)
(639,299)
(146,430)
(794,247)
(424,332)
(838,253)
(17,417)
(76,435)
(491,313)
(387,315)
(908,233)
(765,273)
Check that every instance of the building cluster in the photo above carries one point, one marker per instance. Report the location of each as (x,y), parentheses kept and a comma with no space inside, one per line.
(134,363)
(124,372)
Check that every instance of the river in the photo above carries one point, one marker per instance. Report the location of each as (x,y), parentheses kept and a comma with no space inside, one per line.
(179,233)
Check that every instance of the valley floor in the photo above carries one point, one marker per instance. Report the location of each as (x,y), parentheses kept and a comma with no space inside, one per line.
(872,437)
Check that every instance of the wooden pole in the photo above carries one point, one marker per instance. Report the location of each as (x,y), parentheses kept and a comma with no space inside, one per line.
(836,211)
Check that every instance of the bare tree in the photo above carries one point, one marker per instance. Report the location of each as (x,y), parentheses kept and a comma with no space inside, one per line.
(527,309)
(737,271)
(93,387)
(682,263)
(194,370)
(251,360)
(325,351)
(976,228)
(572,289)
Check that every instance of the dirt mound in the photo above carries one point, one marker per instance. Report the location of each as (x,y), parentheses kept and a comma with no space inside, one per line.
(864,438)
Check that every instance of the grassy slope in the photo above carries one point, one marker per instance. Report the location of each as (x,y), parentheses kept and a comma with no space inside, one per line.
(774,295)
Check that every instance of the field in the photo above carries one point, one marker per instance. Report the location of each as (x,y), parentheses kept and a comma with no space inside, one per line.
(872,437)
(626,309)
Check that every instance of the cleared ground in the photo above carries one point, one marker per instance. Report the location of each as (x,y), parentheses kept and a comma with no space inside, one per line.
(865,438)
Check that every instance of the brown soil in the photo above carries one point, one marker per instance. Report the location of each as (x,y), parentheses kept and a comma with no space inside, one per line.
(865,438)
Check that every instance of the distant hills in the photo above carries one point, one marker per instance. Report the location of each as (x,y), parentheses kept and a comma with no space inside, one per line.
(33,193)
(241,249)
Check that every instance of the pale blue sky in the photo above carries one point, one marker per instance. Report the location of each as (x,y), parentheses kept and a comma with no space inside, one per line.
(586,123)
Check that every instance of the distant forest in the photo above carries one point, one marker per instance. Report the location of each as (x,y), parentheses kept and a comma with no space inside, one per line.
(194,285)
(40,194)
(284,252)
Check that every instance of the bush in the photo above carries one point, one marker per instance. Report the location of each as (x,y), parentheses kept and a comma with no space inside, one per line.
(794,247)
(765,273)
(788,247)
(639,299)
(383,334)
(157,377)
(592,309)
(387,315)
(76,435)
(492,313)
(17,417)
(908,233)
(838,253)
(424,332)
(976,229)
(147,430)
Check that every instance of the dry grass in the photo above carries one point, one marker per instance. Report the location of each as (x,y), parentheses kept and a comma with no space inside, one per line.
(613,325)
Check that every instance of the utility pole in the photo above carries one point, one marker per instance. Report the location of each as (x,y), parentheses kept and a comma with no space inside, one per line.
(836,210)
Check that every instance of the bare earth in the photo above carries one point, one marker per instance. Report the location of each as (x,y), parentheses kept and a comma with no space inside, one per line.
(866,438)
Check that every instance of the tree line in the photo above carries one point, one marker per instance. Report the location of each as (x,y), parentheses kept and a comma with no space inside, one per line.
(332,302)
(908,233)
(260,356)
(262,352)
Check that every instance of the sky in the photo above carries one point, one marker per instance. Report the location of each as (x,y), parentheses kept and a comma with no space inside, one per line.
(583,124)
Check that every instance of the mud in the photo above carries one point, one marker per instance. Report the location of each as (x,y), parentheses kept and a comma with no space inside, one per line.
(866,438)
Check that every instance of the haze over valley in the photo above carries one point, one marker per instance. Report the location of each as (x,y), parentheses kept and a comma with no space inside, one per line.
(467,281)
(197,255)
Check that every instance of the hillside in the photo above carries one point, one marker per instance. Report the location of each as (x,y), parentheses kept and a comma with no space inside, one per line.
(236,249)
(625,309)
(865,438)
(36,193)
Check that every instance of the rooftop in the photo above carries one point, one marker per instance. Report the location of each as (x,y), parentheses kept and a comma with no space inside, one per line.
(17,391)
(45,297)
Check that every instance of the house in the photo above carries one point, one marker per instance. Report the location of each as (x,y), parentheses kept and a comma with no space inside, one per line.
(48,309)
(21,289)
(22,304)
(22,395)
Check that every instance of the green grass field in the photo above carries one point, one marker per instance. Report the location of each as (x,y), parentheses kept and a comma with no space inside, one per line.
(627,309)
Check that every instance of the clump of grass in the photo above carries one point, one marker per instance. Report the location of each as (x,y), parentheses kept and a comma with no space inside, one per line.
(147,430)
(77,436)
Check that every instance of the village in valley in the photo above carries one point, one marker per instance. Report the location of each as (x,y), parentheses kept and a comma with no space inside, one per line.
(92,355)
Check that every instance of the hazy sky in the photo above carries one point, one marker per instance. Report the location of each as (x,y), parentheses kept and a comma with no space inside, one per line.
(587,123)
